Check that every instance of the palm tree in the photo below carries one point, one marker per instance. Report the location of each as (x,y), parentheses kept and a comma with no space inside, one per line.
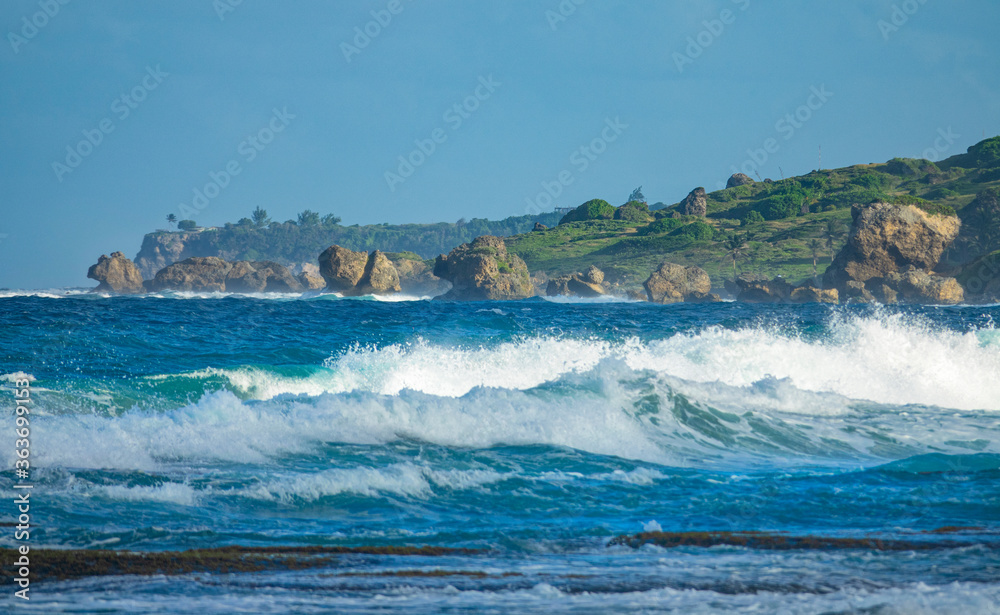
(834,229)
(171,219)
(814,245)
(735,246)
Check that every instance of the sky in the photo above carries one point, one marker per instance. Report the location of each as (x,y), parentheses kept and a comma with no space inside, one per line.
(116,113)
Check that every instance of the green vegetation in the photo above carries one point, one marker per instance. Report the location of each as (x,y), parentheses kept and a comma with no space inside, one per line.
(595,209)
(792,227)
(187,225)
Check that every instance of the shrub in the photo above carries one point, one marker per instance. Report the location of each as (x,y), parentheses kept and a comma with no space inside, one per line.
(663,225)
(187,225)
(754,217)
(594,209)
(633,211)
(695,231)
(874,180)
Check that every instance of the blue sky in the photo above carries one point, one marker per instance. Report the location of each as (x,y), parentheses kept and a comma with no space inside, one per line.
(603,95)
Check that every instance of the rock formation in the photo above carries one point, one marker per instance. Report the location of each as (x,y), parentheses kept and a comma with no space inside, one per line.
(587,284)
(754,289)
(483,270)
(116,274)
(539,227)
(380,276)
(342,268)
(811,294)
(418,279)
(200,274)
(261,276)
(890,253)
(159,250)
(694,204)
(357,273)
(672,283)
(738,179)
(311,281)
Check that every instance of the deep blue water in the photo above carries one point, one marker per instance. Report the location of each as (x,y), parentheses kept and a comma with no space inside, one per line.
(533,430)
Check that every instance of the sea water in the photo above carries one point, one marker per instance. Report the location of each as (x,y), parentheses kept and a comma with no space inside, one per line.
(533,432)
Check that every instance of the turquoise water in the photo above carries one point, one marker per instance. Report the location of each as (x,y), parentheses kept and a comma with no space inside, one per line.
(534,431)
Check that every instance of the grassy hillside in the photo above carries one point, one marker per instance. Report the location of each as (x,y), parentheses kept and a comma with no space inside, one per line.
(774,228)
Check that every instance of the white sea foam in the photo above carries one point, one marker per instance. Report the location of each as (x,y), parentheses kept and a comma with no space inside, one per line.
(167,493)
(888,359)
(405,479)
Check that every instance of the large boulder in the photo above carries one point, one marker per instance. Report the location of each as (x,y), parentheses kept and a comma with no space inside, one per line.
(342,268)
(260,277)
(200,274)
(587,284)
(379,278)
(886,239)
(738,179)
(416,277)
(484,270)
(311,281)
(753,289)
(811,294)
(672,283)
(116,274)
(695,204)
(917,286)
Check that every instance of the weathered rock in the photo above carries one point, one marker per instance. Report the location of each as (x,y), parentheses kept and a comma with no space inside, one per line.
(116,274)
(593,275)
(855,292)
(379,278)
(416,278)
(200,274)
(672,283)
(162,249)
(887,238)
(981,279)
(558,286)
(738,179)
(260,277)
(916,286)
(483,270)
(342,268)
(539,227)
(579,286)
(752,289)
(695,204)
(311,281)
(811,294)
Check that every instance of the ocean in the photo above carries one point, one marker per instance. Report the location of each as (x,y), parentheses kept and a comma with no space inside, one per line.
(520,438)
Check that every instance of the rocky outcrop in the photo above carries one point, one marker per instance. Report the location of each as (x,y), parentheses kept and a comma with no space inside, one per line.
(672,283)
(342,268)
(311,281)
(981,279)
(358,273)
(261,277)
(888,238)
(754,289)
(379,278)
(889,256)
(417,278)
(738,179)
(587,284)
(539,227)
(116,274)
(199,274)
(694,204)
(811,294)
(484,270)
(161,249)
